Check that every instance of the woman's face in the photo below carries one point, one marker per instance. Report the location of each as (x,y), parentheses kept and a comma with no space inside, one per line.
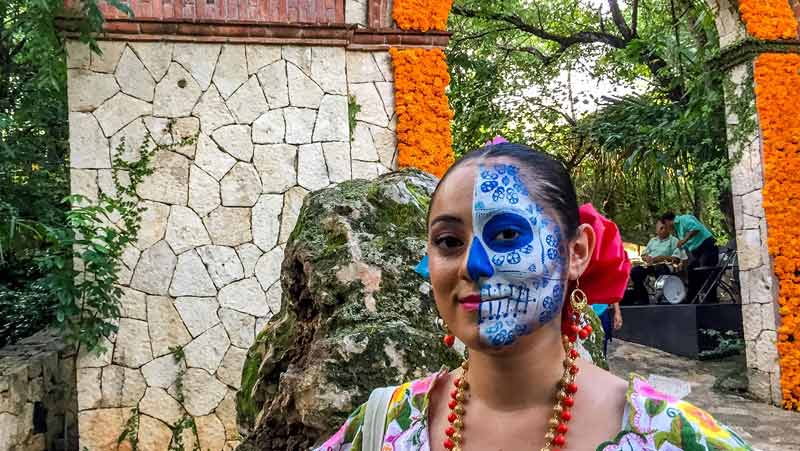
(496,258)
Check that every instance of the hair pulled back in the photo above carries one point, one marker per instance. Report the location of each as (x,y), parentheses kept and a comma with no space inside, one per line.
(550,184)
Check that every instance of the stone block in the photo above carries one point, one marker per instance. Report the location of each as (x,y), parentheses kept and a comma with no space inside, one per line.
(248,102)
(88,90)
(96,359)
(212,111)
(169,182)
(275,84)
(155,216)
(121,387)
(158,404)
(759,385)
(328,69)
(245,296)
(298,55)
(133,304)
(231,71)
(156,56)
(312,173)
(362,146)
(236,140)
(362,68)
(198,314)
(202,392)
(241,186)
(386,91)
(210,432)
(165,325)
(88,145)
(766,352)
(232,365)
(365,170)
(153,434)
(100,428)
(78,54)
(274,300)
(89,388)
(222,263)
(270,128)
(191,277)
(119,111)
(303,91)
(332,120)
(199,60)
(211,159)
(368,98)
(240,328)
(185,230)
(276,164)
(226,411)
(749,246)
(204,194)
(259,56)
(207,350)
(266,225)
(154,271)
(355,12)
(110,53)
(384,62)
(299,125)
(268,269)
(176,94)
(249,254)
(163,371)
(84,182)
(229,226)
(292,201)
(132,348)
(133,78)
(385,141)
(337,159)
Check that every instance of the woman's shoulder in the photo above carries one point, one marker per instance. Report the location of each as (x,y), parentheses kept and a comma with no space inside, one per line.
(408,404)
(653,419)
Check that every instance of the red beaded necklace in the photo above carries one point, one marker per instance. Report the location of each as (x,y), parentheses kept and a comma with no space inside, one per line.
(556,436)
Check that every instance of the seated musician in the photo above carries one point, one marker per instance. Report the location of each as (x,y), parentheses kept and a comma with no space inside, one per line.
(661,256)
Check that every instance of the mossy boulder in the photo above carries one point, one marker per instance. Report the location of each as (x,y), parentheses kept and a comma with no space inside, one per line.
(354,315)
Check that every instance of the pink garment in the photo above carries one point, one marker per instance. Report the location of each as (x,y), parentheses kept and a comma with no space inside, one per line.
(606,277)
(495,141)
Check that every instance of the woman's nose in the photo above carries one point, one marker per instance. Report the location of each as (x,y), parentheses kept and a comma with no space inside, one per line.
(478,264)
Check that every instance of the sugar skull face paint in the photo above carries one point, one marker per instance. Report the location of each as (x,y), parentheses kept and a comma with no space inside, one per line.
(516,257)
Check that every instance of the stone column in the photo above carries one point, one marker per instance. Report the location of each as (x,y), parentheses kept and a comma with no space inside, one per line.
(268,107)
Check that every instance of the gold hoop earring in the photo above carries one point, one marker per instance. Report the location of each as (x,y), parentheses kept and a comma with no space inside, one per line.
(579,301)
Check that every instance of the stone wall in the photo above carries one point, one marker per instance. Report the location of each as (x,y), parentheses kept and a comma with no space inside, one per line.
(271,124)
(38,406)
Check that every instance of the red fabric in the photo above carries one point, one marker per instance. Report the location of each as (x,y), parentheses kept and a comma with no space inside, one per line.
(605,279)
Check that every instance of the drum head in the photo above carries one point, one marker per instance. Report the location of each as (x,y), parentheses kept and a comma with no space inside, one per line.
(671,288)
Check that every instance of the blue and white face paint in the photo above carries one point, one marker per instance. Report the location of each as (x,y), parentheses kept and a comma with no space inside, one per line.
(516,257)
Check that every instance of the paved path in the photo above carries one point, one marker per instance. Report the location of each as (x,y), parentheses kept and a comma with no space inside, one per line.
(767,428)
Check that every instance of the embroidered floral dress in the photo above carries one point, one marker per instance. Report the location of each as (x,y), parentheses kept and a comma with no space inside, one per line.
(652,422)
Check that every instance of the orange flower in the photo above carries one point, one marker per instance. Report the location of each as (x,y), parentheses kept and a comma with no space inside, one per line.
(776,76)
(424,140)
(421,15)
(769,19)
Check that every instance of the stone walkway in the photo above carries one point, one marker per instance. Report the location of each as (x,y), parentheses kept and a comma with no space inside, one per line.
(767,428)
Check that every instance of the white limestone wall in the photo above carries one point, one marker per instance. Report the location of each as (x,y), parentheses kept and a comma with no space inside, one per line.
(271,124)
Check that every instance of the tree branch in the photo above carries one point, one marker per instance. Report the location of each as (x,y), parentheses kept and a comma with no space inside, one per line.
(635,18)
(619,19)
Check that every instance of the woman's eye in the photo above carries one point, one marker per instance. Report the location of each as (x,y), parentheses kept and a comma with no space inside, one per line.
(507,235)
(448,242)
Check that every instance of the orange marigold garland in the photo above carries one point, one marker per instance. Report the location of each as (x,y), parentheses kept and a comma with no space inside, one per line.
(769,19)
(421,15)
(777,77)
(423,112)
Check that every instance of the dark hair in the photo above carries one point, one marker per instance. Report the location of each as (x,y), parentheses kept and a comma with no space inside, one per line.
(552,183)
(669,216)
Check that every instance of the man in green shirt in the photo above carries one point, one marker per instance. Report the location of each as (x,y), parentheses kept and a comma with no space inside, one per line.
(661,251)
(701,246)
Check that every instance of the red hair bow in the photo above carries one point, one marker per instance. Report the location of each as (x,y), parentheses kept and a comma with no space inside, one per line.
(605,279)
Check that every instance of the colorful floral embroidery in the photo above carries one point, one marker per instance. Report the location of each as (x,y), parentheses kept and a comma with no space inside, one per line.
(656,422)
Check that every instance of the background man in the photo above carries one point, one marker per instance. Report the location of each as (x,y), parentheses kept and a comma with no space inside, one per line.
(696,239)
(661,250)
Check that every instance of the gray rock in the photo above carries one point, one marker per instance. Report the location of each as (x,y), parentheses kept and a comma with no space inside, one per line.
(155,216)
(207,350)
(337,159)
(249,254)
(303,91)
(266,223)
(298,55)
(292,201)
(88,90)
(231,71)
(362,68)
(132,304)
(163,371)
(191,277)
(347,289)
(199,59)
(277,166)
(240,328)
(268,269)
(385,143)
(248,102)
(121,387)
(364,170)
(384,61)
(202,392)
(270,128)
(154,270)
(386,91)
(133,77)
(156,56)
(229,226)
(241,186)
(244,296)
(275,84)
(363,146)
(332,120)
(312,173)
(203,191)
(212,111)
(106,61)
(231,370)
(120,111)
(198,314)
(88,146)
(236,140)
(133,344)
(176,93)
(169,182)
(368,98)
(157,403)
(223,264)
(328,69)
(299,125)
(259,56)
(127,142)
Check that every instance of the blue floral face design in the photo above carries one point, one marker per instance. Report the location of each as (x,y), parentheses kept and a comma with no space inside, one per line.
(516,257)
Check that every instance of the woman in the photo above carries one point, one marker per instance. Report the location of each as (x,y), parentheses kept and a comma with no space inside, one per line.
(509,259)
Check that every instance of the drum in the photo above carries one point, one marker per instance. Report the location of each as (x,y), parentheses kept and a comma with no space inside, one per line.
(671,289)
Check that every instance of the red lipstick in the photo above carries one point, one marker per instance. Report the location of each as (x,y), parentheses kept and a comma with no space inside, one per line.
(470,303)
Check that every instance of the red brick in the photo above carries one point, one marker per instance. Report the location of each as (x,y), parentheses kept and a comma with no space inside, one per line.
(121,27)
(416,39)
(158,28)
(369,38)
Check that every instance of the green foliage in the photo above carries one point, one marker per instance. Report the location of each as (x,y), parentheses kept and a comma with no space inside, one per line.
(729,343)
(186,422)
(655,140)
(131,430)
(353,108)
